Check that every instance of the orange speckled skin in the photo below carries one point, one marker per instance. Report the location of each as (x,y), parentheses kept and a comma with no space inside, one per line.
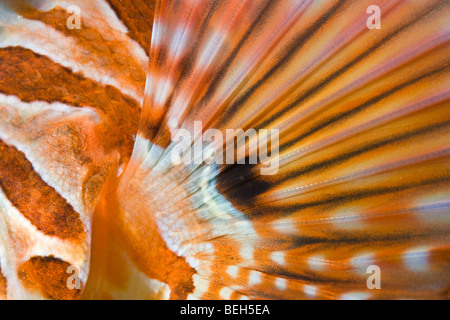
(49,276)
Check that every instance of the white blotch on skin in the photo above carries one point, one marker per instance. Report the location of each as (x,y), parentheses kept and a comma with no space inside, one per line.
(349,219)
(233,271)
(254,278)
(310,291)
(316,263)
(284,226)
(278,257)
(158,33)
(362,261)
(163,90)
(247,253)
(177,47)
(281,283)
(226,293)
(355,296)
(417,259)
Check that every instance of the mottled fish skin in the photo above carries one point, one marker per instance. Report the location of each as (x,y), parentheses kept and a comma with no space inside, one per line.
(86,175)
(69,110)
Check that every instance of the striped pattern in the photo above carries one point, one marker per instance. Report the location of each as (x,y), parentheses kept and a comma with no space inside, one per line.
(364,168)
(53,83)
(137,16)
(70,106)
(364,123)
(38,202)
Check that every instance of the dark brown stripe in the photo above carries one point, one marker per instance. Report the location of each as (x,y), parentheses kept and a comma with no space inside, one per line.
(49,276)
(223,69)
(241,187)
(33,77)
(333,76)
(238,181)
(349,154)
(347,197)
(343,198)
(36,200)
(137,15)
(369,103)
(152,126)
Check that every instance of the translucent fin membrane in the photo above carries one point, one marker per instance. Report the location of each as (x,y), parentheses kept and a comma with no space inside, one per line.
(363,119)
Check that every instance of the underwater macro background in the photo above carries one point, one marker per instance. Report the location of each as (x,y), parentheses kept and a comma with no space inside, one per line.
(87,181)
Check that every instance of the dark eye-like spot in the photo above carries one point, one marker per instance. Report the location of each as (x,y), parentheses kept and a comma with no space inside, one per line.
(241,185)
